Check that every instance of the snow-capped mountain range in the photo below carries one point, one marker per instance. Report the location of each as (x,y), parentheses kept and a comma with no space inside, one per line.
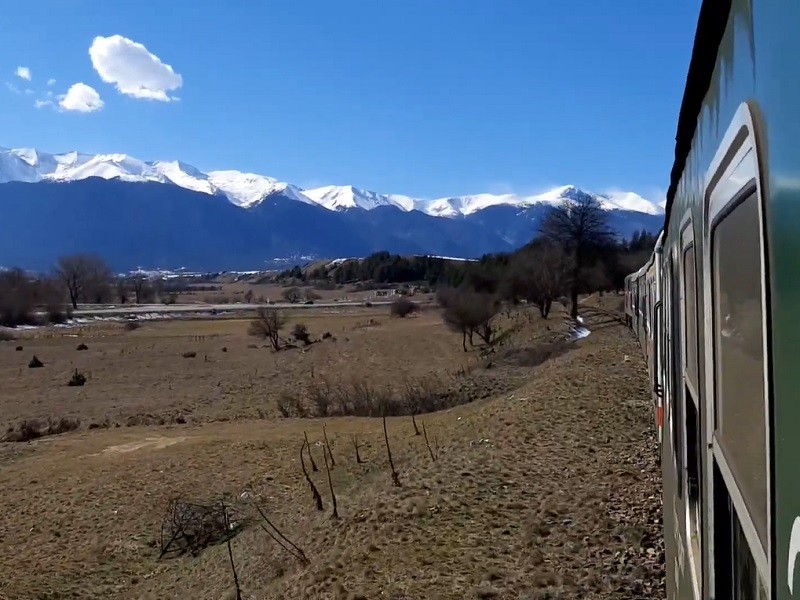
(248,190)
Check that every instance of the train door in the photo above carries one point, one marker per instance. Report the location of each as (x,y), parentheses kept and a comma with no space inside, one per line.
(737,371)
(691,407)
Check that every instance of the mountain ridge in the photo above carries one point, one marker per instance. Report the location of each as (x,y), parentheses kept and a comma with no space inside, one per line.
(247,190)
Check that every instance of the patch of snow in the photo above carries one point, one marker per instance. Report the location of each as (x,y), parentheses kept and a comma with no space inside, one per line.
(578,333)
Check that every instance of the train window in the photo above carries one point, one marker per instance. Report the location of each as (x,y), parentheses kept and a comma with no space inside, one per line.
(690,308)
(739,363)
(737,575)
(693,473)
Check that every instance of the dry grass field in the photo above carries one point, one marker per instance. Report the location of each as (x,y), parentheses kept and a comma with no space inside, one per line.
(545,485)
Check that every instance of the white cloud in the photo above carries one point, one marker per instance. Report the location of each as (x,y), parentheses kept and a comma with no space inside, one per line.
(23,73)
(81,98)
(13,88)
(51,82)
(43,103)
(133,69)
(29,91)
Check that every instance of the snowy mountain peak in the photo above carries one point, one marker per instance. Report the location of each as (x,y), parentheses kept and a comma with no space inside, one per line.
(247,190)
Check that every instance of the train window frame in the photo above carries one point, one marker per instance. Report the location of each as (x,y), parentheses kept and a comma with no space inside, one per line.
(733,177)
(691,402)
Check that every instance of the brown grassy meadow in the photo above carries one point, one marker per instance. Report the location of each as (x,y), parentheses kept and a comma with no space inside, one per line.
(544,485)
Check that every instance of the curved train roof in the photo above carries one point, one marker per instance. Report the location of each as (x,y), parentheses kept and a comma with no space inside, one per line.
(711,26)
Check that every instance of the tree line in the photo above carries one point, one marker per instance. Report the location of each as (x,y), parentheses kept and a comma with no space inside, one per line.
(74,279)
(575,252)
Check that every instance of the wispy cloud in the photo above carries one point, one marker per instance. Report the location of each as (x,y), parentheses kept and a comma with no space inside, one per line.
(44,103)
(133,69)
(23,73)
(51,82)
(13,88)
(80,98)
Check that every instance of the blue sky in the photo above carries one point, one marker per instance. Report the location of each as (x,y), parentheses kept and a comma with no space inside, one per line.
(419,97)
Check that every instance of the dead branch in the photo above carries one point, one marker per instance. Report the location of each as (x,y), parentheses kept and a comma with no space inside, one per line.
(193,526)
(295,551)
(416,429)
(395,476)
(356,446)
(230,552)
(425,433)
(314,491)
(325,435)
(330,483)
(313,464)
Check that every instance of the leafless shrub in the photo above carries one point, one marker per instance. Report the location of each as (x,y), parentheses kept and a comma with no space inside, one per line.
(132,325)
(322,395)
(300,333)
(267,325)
(26,430)
(82,347)
(469,312)
(63,425)
(402,307)
(289,405)
(78,379)
(190,354)
(191,526)
(35,363)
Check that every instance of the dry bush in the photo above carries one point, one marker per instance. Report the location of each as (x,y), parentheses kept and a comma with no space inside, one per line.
(402,307)
(63,425)
(468,312)
(267,325)
(132,325)
(35,363)
(82,347)
(78,379)
(29,430)
(300,333)
(193,526)
(322,395)
(190,354)
(26,430)
(7,336)
(289,405)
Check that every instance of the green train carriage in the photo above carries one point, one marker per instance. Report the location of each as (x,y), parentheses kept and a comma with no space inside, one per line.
(715,311)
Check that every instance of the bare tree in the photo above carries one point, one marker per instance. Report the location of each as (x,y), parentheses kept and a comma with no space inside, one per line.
(578,225)
(540,273)
(86,277)
(141,287)
(292,294)
(469,312)
(267,325)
